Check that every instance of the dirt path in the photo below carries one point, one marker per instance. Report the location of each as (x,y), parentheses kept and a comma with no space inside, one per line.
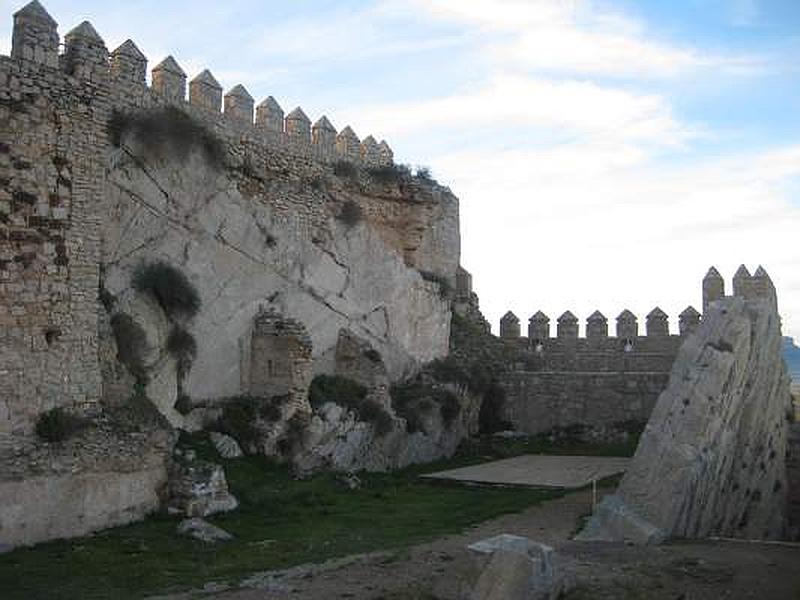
(444,569)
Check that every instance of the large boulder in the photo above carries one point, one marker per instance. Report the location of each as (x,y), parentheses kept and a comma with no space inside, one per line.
(711,461)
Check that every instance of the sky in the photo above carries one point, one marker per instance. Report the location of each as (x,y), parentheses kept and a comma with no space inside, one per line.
(606,153)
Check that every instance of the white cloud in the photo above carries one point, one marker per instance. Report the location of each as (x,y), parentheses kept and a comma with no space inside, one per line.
(514,102)
(540,231)
(574,36)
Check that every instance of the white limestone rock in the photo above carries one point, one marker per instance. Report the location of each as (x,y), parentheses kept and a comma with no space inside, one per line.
(225,445)
(203,531)
(199,489)
(517,568)
(711,461)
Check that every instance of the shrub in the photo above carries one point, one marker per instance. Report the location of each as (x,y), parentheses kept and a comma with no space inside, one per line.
(57,425)
(295,432)
(107,299)
(387,174)
(183,347)
(184,404)
(373,413)
(490,416)
(339,390)
(166,132)
(424,173)
(131,344)
(239,418)
(344,168)
(171,289)
(350,213)
(372,355)
(413,400)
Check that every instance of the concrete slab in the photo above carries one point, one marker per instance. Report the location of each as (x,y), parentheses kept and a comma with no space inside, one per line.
(539,470)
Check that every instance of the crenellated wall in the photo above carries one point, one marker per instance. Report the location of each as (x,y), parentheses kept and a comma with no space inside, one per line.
(73,204)
(602,380)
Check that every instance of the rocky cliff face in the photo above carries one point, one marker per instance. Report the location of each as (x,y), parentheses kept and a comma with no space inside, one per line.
(712,458)
(257,230)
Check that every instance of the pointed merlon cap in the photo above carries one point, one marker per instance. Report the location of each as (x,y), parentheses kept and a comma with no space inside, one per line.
(206,78)
(597,316)
(239,91)
(170,65)
(298,115)
(509,316)
(385,147)
(539,317)
(713,274)
(348,133)
(370,141)
(324,124)
(689,312)
(626,315)
(761,272)
(657,313)
(36,12)
(84,31)
(271,104)
(742,272)
(128,48)
(567,317)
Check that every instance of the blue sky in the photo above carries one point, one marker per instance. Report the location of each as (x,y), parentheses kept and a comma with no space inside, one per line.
(605,152)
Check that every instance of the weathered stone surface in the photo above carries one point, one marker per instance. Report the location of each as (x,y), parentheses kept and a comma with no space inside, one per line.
(203,531)
(199,489)
(712,458)
(99,479)
(225,445)
(516,568)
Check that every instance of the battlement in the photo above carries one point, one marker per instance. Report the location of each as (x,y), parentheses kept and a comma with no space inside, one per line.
(757,286)
(35,45)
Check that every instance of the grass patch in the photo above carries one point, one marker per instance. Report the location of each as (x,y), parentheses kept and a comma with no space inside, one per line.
(281,522)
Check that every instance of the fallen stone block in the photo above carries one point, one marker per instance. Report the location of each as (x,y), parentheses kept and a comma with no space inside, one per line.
(226,446)
(203,531)
(517,568)
(199,489)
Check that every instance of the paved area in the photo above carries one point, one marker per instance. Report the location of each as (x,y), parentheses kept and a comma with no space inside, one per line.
(540,470)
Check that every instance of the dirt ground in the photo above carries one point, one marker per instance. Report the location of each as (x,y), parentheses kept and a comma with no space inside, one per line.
(445,570)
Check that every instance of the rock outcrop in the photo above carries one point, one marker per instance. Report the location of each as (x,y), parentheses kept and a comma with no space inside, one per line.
(711,461)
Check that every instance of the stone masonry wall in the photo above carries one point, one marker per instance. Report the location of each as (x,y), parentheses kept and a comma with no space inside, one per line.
(587,382)
(70,201)
(52,130)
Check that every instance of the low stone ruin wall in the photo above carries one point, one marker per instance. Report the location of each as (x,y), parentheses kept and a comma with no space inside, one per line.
(64,506)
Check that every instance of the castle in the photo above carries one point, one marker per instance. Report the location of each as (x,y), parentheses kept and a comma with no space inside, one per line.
(601,380)
(67,205)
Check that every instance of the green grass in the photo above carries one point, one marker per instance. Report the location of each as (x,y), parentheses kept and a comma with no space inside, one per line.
(281,522)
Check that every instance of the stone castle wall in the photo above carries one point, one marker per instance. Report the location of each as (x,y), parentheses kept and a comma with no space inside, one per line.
(52,134)
(70,201)
(601,380)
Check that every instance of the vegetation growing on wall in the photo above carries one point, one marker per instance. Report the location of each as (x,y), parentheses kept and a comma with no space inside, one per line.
(166,132)
(173,291)
(183,347)
(388,174)
(351,395)
(350,214)
(242,414)
(131,342)
(58,425)
(416,399)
